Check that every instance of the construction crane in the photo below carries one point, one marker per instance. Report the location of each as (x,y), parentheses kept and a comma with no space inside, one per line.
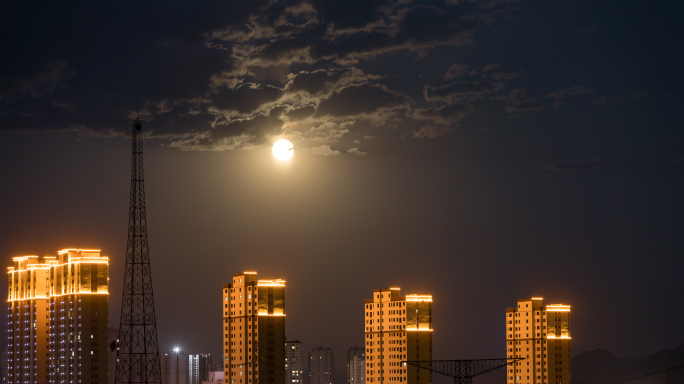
(462,371)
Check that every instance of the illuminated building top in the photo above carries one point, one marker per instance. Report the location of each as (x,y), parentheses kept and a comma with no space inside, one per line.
(73,271)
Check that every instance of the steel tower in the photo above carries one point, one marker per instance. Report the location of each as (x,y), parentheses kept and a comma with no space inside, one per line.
(138,349)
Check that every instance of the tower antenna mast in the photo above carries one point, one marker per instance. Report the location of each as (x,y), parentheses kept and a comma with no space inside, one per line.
(138,347)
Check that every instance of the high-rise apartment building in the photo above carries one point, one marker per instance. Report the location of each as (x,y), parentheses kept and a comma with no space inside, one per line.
(397,328)
(356,365)
(254,330)
(174,367)
(293,362)
(541,335)
(321,366)
(198,368)
(58,312)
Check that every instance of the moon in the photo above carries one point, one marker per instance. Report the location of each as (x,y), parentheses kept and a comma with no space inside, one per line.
(283,149)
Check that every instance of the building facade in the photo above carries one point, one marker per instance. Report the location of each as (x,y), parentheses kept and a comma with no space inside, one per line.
(321,366)
(198,368)
(58,314)
(215,377)
(397,328)
(174,367)
(254,330)
(356,365)
(293,362)
(541,335)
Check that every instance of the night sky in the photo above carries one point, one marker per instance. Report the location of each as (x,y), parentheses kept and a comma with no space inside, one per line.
(481,152)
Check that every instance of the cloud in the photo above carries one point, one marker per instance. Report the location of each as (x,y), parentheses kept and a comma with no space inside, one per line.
(562,93)
(199,142)
(52,75)
(577,165)
(246,98)
(456,70)
(359,99)
(444,114)
(461,91)
(431,132)
(323,150)
(328,132)
(505,76)
(324,31)
(311,70)
(519,102)
(490,67)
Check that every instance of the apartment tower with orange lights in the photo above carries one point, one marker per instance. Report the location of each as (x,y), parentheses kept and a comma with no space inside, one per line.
(254,330)
(397,328)
(541,335)
(58,313)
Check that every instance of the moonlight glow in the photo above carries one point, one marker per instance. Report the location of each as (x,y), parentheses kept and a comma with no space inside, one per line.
(283,149)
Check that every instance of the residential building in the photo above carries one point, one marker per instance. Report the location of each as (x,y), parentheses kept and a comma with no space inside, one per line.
(540,334)
(254,330)
(198,368)
(174,367)
(356,365)
(215,377)
(58,313)
(293,362)
(321,366)
(398,328)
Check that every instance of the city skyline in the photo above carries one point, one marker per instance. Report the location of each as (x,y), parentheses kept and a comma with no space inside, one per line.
(478,152)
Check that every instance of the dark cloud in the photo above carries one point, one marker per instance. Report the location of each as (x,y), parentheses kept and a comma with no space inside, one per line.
(246,98)
(431,132)
(359,99)
(315,81)
(444,114)
(577,165)
(456,70)
(461,91)
(52,75)
(561,93)
(322,34)
(525,105)
(519,102)
(505,75)
(301,113)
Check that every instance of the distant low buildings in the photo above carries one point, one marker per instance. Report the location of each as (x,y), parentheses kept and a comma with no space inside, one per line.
(215,377)
(198,368)
(57,318)
(321,366)
(356,365)
(541,335)
(398,328)
(293,362)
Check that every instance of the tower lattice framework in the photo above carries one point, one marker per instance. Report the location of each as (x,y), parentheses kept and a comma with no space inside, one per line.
(138,349)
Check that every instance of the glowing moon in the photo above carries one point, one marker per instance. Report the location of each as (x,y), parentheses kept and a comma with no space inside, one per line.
(283,149)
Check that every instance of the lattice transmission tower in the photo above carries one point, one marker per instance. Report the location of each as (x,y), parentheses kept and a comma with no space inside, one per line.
(138,348)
